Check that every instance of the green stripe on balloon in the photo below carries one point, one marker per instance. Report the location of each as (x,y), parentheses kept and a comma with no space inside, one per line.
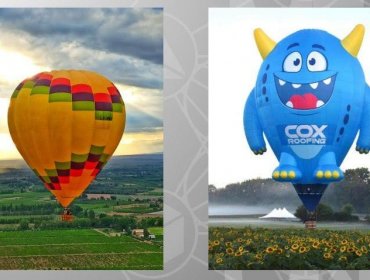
(60,97)
(96,150)
(83,106)
(79,158)
(63,165)
(40,90)
(103,115)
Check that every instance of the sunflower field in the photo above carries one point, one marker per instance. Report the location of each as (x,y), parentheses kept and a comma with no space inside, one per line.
(236,249)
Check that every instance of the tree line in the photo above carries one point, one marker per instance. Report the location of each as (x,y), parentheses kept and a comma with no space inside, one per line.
(354,190)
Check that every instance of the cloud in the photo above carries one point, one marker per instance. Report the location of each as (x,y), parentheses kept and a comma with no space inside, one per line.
(134,32)
(124,44)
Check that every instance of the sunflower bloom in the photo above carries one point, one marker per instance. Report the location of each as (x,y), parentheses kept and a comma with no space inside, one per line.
(327,256)
(219,260)
(229,251)
(269,250)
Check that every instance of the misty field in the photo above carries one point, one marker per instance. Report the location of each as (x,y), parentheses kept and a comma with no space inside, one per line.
(260,248)
(76,249)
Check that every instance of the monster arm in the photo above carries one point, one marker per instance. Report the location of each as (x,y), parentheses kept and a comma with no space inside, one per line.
(363,142)
(252,127)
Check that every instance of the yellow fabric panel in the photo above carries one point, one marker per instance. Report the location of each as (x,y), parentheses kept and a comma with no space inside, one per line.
(13,129)
(60,131)
(23,127)
(101,135)
(39,129)
(83,128)
(115,135)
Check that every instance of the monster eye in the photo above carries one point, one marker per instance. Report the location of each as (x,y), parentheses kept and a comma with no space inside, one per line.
(316,62)
(293,62)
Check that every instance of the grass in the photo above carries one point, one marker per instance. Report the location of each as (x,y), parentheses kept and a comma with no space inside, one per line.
(156,230)
(62,249)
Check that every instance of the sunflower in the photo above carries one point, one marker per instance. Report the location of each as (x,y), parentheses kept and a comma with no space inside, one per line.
(219,260)
(241,249)
(269,250)
(302,250)
(238,254)
(210,247)
(327,256)
(258,256)
(363,249)
(216,243)
(229,251)
(344,242)
(343,258)
(295,246)
(358,253)
(316,244)
(279,251)
(228,244)
(343,249)
(350,249)
(240,239)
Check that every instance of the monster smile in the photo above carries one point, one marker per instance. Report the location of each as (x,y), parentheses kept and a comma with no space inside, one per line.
(305,96)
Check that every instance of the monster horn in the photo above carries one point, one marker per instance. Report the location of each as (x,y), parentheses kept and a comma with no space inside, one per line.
(264,43)
(352,43)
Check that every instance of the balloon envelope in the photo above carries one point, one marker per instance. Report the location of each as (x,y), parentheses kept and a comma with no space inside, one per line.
(66,124)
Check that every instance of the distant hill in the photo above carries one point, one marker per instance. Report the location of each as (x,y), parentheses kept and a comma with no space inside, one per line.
(115,161)
(130,174)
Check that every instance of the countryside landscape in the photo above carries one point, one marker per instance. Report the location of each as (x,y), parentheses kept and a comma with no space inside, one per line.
(118,221)
(239,239)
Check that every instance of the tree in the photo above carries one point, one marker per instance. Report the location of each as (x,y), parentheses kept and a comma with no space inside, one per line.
(91,214)
(348,209)
(301,213)
(324,212)
(23,225)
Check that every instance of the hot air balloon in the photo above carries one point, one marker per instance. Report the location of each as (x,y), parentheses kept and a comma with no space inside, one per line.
(66,125)
(310,100)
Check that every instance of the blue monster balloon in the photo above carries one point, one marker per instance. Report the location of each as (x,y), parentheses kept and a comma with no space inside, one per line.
(310,100)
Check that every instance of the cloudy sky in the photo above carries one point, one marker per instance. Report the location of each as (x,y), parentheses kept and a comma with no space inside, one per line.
(125,45)
(234,62)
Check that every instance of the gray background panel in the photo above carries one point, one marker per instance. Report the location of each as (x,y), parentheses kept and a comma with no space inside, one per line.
(185,152)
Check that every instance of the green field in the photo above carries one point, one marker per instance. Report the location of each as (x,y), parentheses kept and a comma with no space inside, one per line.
(76,249)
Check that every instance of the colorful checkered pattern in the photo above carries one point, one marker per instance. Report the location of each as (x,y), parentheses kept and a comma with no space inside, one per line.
(66,124)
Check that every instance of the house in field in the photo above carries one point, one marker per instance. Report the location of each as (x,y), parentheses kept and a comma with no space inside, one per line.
(138,232)
(99,196)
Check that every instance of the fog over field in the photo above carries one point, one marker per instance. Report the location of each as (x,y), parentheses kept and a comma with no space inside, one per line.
(225,210)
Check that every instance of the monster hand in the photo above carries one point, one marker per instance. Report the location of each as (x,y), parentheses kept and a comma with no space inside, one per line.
(362,149)
(259,151)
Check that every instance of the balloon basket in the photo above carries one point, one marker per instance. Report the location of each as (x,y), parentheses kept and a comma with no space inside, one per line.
(67,215)
(310,224)
(67,218)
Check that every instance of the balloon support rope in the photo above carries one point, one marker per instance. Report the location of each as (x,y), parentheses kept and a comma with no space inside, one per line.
(67,215)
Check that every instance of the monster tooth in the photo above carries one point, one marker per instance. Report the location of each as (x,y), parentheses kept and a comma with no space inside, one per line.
(314,85)
(296,85)
(281,82)
(327,81)
(289,104)
(319,103)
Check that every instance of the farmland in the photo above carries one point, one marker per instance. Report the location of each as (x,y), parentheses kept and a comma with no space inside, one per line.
(261,248)
(128,194)
(76,249)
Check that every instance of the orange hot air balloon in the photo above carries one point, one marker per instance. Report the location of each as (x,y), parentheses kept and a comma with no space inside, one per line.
(66,124)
